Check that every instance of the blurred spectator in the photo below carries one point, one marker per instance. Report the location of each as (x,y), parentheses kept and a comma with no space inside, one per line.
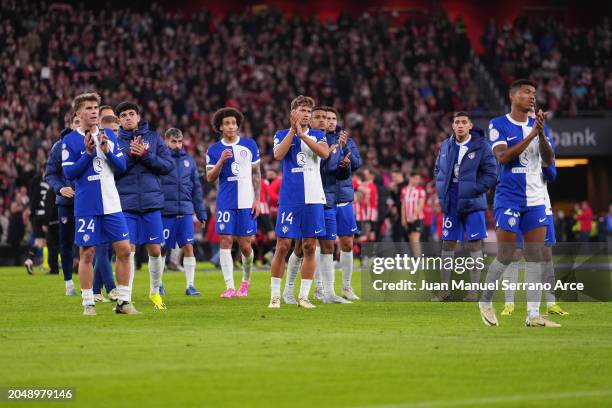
(585,219)
(609,223)
(570,65)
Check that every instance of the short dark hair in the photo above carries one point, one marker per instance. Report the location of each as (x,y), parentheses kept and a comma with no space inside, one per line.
(226,113)
(173,133)
(125,106)
(333,110)
(320,108)
(302,100)
(461,113)
(520,82)
(414,173)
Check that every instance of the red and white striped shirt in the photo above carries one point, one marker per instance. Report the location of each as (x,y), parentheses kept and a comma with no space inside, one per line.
(413,199)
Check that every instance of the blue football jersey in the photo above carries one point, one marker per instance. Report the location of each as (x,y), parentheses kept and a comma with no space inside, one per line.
(520,181)
(236,177)
(301,170)
(95,191)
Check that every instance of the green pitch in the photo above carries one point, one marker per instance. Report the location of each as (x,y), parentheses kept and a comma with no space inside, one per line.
(208,352)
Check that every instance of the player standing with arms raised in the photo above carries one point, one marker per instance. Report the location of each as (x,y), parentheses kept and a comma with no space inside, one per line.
(301,200)
(521,147)
(234,160)
(90,156)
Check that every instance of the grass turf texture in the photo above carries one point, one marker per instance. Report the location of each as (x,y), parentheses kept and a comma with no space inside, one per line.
(206,351)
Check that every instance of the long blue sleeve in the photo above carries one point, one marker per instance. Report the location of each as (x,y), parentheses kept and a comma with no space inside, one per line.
(550,173)
(53,169)
(160,162)
(330,165)
(487,171)
(355,157)
(117,162)
(74,171)
(197,197)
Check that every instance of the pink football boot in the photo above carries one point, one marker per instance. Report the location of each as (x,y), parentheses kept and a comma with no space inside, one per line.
(244,290)
(229,293)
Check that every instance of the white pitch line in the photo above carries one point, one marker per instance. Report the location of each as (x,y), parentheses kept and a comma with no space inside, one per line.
(493,400)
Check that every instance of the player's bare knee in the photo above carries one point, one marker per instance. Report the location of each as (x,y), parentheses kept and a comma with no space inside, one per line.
(154,250)
(188,250)
(309,246)
(546,254)
(87,254)
(449,245)
(475,246)
(245,247)
(226,241)
(283,246)
(122,251)
(327,247)
(346,244)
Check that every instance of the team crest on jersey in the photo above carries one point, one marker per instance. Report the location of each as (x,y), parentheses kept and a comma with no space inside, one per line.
(301,159)
(64,220)
(512,221)
(85,237)
(235,168)
(243,154)
(471,155)
(445,233)
(285,229)
(97,165)
(493,134)
(221,227)
(65,154)
(186,163)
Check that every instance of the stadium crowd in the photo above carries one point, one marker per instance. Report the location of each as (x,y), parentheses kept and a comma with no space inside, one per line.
(570,65)
(395,99)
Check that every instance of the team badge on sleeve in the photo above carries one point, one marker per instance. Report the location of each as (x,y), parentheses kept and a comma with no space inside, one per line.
(494,135)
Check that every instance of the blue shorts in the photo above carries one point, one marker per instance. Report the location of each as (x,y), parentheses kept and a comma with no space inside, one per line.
(300,221)
(345,220)
(468,227)
(521,220)
(146,228)
(550,239)
(236,222)
(331,229)
(92,230)
(177,230)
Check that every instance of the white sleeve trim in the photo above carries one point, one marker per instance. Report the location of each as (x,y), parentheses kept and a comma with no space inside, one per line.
(255,162)
(501,142)
(119,155)
(67,163)
(210,166)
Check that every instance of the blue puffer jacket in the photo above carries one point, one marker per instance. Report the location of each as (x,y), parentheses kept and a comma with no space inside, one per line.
(182,187)
(344,182)
(329,169)
(54,175)
(477,173)
(139,187)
